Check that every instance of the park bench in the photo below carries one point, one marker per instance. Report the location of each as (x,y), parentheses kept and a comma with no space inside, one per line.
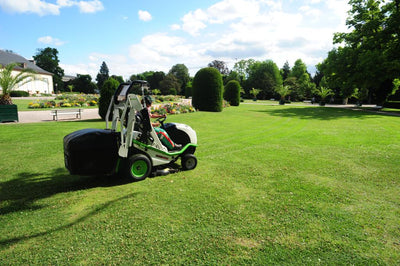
(77,112)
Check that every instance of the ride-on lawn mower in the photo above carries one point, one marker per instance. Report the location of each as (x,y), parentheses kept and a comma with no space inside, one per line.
(131,147)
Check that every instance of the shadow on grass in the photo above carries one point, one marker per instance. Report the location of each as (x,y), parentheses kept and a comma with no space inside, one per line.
(14,240)
(319,113)
(20,193)
(89,120)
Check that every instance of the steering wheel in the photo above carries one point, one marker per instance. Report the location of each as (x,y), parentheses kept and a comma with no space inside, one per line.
(161,120)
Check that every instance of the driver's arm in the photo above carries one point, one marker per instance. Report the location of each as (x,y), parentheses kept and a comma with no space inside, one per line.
(157,116)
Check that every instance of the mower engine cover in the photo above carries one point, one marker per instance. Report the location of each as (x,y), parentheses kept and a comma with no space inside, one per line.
(91,151)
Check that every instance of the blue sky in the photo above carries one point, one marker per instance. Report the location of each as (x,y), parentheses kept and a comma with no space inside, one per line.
(133,36)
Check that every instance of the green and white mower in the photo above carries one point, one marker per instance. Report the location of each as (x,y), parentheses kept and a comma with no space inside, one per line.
(131,146)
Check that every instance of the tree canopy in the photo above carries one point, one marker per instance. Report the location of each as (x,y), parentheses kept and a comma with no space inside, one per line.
(103,75)
(266,77)
(220,66)
(370,53)
(84,84)
(181,72)
(47,59)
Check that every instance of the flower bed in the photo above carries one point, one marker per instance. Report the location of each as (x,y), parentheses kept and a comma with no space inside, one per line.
(172,108)
(67,100)
(167,98)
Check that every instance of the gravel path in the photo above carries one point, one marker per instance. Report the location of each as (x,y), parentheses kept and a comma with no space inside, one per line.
(46,116)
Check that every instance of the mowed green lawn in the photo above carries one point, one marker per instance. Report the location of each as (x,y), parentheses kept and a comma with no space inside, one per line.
(273,185)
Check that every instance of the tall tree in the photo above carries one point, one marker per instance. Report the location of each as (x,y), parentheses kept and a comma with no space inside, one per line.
(155,79)
(266,77)
(47,59)
(120,79)
(373,41)
(220,66)
(103,75)
(303,85)
(84,84)
(285,71)
(168,83)
(243,68)
(339,71)
(181,72)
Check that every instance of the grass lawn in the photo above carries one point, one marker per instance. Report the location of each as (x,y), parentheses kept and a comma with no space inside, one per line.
(273,185)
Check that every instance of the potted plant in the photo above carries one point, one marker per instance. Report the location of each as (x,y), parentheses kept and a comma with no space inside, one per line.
(254,92)
(283,91)
(360,95)
(8,81)
(323,92)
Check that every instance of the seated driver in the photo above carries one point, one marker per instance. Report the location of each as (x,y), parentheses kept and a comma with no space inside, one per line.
(161,133)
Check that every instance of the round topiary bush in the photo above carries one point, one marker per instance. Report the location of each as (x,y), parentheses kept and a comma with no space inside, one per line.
(207,90)
(232,92)
(106,93)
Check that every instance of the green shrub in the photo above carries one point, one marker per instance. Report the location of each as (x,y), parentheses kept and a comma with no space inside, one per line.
(232,92)
(172,91)
(392,105)
(106,93)
(19,94)
(189,90)
(207,90)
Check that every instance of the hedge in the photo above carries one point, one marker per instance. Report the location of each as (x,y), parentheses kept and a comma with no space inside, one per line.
(207,90)
(232,93)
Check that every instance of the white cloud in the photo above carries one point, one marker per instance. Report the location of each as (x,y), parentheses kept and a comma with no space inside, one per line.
(160,51)
(30,6)
(65,3)
(144,15)
(232,30)
(42,7)
(90,6)
(193,22)
(228,10)
(50,41)
(117,64)
(175,27)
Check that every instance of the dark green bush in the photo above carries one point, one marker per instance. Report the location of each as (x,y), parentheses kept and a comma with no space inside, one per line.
(393,104)
(106,93)
(19,94)
(232,92)
(207,90)
(189,90)
(172,91)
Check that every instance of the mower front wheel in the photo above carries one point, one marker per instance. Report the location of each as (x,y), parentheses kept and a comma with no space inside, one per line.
(188,161)
(138,167)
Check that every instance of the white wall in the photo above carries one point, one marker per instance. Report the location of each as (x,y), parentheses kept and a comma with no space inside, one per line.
(42,84)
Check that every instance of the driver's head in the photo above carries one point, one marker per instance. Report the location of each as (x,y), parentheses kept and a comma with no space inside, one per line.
(148,101)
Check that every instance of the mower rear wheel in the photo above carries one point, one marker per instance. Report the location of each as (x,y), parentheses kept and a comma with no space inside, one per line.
(189,161)
(138,167)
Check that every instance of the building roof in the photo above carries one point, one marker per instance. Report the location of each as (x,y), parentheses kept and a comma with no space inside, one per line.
(67,78)
(8,57)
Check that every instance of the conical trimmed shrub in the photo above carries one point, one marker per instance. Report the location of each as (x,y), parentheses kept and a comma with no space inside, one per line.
(232,92)
(207,90)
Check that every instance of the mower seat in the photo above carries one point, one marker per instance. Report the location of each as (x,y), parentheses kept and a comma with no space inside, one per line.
(143,125)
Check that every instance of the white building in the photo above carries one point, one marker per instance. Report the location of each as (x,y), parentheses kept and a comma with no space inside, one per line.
(43,83)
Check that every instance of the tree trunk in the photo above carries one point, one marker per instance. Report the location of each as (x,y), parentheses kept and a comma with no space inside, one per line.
(6,99)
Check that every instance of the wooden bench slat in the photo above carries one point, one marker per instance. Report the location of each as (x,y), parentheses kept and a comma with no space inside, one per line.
(57,112)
